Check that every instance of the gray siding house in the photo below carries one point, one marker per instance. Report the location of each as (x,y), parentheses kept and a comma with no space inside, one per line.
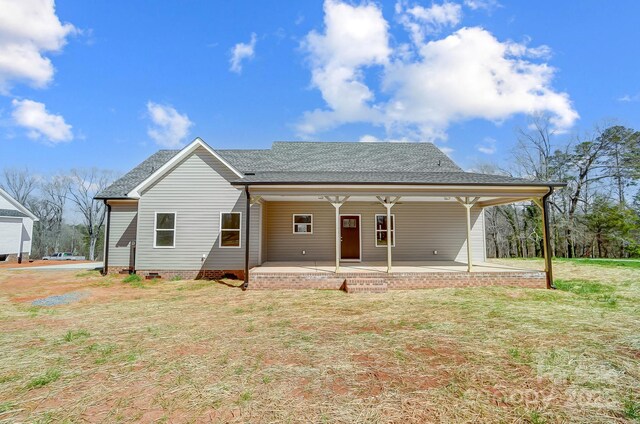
(312,214)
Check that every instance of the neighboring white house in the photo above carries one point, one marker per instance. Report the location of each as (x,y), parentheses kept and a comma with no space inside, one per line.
(16,229)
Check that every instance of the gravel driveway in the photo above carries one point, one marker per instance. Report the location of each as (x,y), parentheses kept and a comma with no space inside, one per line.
(61,267)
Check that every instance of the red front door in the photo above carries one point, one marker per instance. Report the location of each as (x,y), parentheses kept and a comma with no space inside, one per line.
(350,237)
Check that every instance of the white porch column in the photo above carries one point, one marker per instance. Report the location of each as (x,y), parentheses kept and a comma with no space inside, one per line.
(337,202)
(388,204)
(468,204)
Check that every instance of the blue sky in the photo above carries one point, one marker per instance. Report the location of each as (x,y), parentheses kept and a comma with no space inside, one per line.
(107,83)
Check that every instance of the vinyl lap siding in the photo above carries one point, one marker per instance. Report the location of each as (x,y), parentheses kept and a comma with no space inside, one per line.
(197,189)
(421,229)
(10,229)
(283,245)
(123,223)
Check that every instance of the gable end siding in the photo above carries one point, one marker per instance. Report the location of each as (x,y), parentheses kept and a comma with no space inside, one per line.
(197,189)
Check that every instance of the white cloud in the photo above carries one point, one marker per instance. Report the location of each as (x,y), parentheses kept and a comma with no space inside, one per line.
(420,21)
(241,52)
(488,146)
(368,138)
(39,122)
(28,30)
(487,5)
(169,128)
(355,37)
(466,75)
(472,75)
(629,98)
(446,150)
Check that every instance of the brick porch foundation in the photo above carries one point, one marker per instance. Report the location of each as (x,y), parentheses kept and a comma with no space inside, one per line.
(397,281)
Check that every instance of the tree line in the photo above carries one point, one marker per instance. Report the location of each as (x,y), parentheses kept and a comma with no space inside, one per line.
(70,220)
(596,215)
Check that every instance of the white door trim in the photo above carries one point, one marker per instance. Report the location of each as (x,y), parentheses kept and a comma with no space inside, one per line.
(359,237)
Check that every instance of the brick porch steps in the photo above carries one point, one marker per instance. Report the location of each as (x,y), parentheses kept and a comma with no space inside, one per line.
(365,285)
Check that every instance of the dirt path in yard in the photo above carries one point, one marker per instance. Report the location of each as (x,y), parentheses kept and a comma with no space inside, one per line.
(24,287)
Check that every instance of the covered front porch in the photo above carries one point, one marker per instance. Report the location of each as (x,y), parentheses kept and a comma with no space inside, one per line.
(376,277)
(324,237)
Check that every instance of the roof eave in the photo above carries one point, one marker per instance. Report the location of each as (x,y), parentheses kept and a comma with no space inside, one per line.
(18,205)
(411,183)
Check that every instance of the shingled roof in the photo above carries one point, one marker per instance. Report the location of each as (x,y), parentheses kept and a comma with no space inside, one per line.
(381,178)
(123,185)
(295,162)
(12,213)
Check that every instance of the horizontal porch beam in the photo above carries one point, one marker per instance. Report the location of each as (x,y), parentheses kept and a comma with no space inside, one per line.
(402,193)
(503,201)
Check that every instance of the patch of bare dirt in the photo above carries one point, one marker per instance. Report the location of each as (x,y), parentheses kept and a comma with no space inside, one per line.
(438,354)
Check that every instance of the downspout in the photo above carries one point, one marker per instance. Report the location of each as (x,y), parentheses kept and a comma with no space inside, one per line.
(547,241)
(246,237)
(105,266)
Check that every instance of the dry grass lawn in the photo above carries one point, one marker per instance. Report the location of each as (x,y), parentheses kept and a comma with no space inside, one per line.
(198,351)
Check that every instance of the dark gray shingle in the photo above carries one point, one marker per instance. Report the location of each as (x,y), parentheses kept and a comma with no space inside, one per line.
(12,213)
(353,156)
(123,185)
(329,162)
(341,177)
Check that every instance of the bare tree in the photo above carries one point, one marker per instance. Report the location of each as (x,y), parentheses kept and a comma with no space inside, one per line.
(83,186)
(19,183)
(49,207)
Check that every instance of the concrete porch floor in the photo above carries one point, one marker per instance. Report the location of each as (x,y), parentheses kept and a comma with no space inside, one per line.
(381,267)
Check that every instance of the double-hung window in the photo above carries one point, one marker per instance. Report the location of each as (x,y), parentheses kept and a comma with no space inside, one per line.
(165,229)
(302,223)
(381,230)
(230,229)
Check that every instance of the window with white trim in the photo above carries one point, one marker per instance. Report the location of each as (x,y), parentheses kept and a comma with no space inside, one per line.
(302,223)
(230,229)
(381,230)
(165,229)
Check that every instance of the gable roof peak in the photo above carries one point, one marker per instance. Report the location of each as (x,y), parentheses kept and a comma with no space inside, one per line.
(17,205)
